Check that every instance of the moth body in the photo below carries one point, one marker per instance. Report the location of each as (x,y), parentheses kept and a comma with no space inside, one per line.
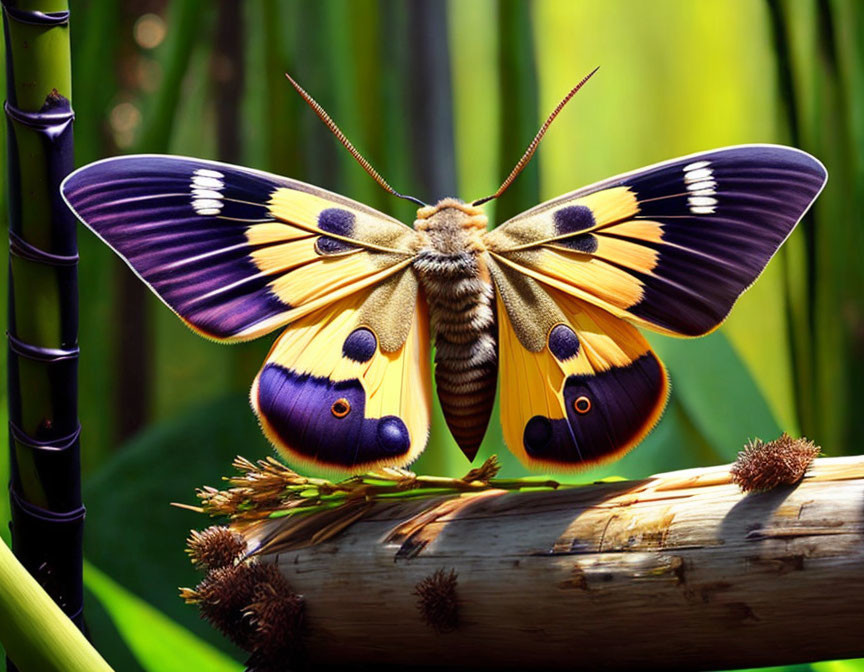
(453,272)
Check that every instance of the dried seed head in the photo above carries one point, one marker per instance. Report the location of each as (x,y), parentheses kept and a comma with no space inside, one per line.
(437,600)
(214,547)
(278,614)
(224,595)
(764,466)
(485,472)
(254,606)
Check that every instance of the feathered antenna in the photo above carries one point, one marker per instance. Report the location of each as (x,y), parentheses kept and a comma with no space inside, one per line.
(329,123)
(526,157)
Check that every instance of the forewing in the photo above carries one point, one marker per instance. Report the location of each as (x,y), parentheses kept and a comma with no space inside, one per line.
(579,386)
(672,246)
(235,252)
(347,387)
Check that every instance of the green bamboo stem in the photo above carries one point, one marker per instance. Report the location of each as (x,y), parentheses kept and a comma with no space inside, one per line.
(35,632)
(798,254)
(134,360)
(185,19)
(45,483)
(519,117)
(394,119)
(839,243)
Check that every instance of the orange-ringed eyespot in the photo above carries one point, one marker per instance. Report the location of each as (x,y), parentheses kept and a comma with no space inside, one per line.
(582,404)
(341,407)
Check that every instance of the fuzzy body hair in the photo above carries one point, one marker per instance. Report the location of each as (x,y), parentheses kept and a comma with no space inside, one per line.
(453,273)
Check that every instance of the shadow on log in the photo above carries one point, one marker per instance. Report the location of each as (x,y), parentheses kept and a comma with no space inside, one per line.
(678,571)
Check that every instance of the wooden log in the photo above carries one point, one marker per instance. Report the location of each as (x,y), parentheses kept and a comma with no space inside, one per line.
(678,571)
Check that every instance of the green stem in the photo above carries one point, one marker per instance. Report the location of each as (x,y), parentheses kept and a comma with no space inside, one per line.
(799,253)
(519,96)
(134,380)
(45,483)
(36,634)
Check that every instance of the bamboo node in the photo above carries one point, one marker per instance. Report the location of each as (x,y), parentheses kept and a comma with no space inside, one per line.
(764,466)
(437,600)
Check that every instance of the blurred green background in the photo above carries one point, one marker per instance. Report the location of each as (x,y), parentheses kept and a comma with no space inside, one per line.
(442,97)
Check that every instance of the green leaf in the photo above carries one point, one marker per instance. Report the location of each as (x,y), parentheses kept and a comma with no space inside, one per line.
(105,636)
(718,393)
(853,665)
(156,641)
(133,533)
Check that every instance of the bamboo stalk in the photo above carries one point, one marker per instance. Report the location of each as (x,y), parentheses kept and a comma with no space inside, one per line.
(431,100)
(517,82)
(45,486)
(37,635)
(134,361)
(678,571)
(800,276)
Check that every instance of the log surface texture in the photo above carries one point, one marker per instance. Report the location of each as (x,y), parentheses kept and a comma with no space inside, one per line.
(678,571)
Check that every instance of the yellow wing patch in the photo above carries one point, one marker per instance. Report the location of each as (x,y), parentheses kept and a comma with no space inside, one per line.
(342,219)
(329,395)
(592,248)
(563,217)
(592,393)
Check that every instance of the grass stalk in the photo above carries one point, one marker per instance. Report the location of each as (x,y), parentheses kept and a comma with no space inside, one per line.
(35,632)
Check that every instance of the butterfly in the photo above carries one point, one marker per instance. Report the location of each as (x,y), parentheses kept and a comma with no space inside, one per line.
(549,301)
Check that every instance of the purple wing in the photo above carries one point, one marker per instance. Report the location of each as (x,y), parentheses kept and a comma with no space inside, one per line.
(215,241)
(671,246)
(723,216)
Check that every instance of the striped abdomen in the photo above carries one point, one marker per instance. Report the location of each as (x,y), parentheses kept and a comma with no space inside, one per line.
(462,317)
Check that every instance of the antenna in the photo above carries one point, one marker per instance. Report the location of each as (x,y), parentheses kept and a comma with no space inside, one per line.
(329,123)
(526,157)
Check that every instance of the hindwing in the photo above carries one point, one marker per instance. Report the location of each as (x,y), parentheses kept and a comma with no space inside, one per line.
(347,387)
(579,386)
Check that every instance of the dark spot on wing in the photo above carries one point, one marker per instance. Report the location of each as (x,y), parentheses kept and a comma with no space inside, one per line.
(360,345)
(563,342)
(586,242)
(336,220)
(572,219)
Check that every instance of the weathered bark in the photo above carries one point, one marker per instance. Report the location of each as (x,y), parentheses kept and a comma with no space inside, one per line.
(679,571)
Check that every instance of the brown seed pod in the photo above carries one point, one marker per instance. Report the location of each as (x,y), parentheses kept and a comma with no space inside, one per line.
(763,466)
(279,617)
(253,605)
(222,598)
(437,600)
(214,547)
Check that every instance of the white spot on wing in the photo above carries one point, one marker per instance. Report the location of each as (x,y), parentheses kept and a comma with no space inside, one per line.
(701,185)
(697,175)
(203,182)
(696,166)
(205,191)
(201,203)
(206,172)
